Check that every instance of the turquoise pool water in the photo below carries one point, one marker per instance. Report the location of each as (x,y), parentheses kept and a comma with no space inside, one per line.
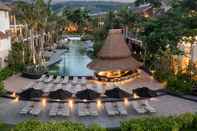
(74,62)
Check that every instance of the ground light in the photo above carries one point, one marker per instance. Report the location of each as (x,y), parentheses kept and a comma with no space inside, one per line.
(135,96)
(44,102)
(13,94)
(16,99)
(99,103)
(126,102)
(71,104)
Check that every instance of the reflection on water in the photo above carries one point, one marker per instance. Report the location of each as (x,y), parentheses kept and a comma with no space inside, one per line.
(74,62)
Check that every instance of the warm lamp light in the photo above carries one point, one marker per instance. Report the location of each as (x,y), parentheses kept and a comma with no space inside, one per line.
(99,103)
(13,94)
(16,100)
(126,101)
(44,102)
(70,103)
(135,96)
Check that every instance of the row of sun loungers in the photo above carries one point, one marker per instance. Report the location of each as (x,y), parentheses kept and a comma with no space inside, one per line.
(48,87)
(87,109)
(61,80)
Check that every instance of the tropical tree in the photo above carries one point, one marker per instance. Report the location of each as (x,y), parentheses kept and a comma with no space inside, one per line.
(41,25)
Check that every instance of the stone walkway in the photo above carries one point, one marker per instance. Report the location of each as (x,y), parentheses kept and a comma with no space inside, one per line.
(165,106)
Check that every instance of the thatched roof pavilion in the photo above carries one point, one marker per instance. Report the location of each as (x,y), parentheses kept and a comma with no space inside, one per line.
(114,55)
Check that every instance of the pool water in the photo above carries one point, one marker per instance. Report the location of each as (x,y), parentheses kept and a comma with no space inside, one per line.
(74,62)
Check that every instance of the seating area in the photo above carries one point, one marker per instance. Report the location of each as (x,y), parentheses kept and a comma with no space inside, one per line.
(87,109)
(87,98)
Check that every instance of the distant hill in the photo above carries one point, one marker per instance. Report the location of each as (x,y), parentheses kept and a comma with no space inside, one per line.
(92,6)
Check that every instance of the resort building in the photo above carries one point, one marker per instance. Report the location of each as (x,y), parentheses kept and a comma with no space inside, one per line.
(114,62)
(5,39)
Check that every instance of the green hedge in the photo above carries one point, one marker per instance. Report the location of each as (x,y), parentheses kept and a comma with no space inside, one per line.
(183,122)
(5,73)
(35,125)
(176,123)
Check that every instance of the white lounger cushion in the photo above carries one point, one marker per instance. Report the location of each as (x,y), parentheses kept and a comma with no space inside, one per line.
(63,110)
(36,109)
(65,80)
(138,108)
(148,107)
(93,109)
(57,80)
(111,111)
(30,85)
(121,108)
(82,109)
(54,109)
(27,108)
(48,88)
(49,79)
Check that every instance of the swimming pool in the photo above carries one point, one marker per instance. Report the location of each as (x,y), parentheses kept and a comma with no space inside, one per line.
(74,62)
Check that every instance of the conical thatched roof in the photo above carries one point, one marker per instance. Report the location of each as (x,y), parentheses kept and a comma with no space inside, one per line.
(115,46)
(114,55)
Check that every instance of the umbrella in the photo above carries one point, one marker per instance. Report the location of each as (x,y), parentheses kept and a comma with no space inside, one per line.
(60,94)
(31,93)
(145,92)
(87,94)
(117,93)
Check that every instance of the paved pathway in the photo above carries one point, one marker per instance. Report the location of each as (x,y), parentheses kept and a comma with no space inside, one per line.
(165,106)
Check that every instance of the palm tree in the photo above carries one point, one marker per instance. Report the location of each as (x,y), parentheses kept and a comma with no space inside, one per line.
(41,22)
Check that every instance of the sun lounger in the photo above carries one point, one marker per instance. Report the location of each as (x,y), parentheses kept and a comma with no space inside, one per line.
(148,107)
(54,109)
(57,80)
(65,80)
(57,87)
(49,79)
(30,85)
(48,88)
(27,108)
(82,110)
(38,86)
(93,109)
(36,109)
(42,78)
(138,108)
(83,80)
(110,109)
(121,108)
(64,110)
(75,80)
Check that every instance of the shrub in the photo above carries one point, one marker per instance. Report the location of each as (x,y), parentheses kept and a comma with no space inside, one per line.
(96,127)
(5,73)
(2,90)
(151,124)
(195,121)
(35,125)
(185,120)
(30,125)
(179,84)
